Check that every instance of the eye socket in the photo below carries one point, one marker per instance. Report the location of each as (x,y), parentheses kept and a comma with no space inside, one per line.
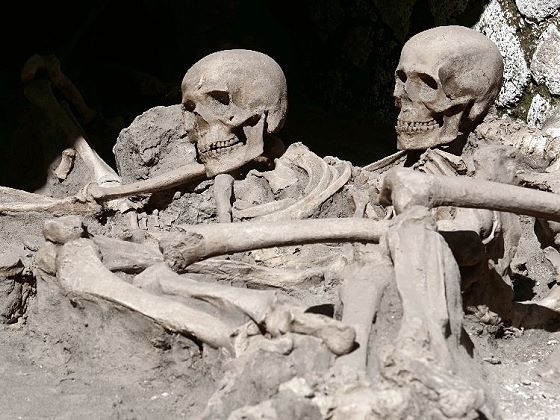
(189,105)
(220,95)
(428,80)
(401,75)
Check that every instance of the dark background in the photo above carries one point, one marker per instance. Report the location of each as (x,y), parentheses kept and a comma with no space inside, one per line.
(126,56)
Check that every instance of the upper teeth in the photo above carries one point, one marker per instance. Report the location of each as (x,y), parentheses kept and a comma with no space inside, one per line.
(415,126)
(217,145)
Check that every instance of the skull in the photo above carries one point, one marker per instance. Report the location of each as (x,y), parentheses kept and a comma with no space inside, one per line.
(231,100)
(446,80)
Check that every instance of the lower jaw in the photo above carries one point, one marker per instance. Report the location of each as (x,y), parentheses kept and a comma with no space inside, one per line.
(422,141)
(225,161)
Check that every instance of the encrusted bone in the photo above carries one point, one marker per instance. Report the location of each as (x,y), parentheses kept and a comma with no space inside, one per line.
(204,241)
(361,292)
(404,188)
(29,202)
(255,275)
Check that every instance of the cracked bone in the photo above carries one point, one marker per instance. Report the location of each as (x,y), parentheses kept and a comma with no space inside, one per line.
(129,257)
(31,202)
(80,271)
(182,175)
(428,280)
(203,241)
(404,188)
(276,313)
(39,93)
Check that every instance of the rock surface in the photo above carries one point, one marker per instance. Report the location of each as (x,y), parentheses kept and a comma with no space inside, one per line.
(495,25)
(537,9)
(545,66)
(539,111)
(154,143)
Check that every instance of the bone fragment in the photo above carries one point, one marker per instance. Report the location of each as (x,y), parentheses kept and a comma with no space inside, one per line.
(80,271)
(204,241)
(404,188)
(223,191)
(63,229)
(66,164)
(128,257)
(255,275)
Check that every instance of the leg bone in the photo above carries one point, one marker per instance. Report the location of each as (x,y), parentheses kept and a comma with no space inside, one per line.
(267,308)
(80,271)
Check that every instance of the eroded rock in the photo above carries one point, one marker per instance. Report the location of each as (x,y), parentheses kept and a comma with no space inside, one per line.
(545,66)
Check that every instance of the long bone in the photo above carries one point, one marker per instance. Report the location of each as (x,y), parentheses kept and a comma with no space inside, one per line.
(203,241)
(86,202)
(39,92)
(80,271)
(278,314)
(404,188)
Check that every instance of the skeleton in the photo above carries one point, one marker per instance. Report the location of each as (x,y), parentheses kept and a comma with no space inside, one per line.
(428,342)
(445,83)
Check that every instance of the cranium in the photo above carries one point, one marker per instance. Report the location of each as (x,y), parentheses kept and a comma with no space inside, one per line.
(231,100)
(446,80)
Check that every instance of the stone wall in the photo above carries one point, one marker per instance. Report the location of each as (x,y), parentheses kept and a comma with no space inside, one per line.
(527,35)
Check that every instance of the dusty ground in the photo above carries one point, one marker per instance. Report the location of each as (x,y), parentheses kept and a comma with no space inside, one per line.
(67,371)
